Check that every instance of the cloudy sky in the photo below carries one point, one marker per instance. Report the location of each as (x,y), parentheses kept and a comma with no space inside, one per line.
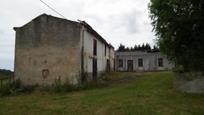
(118,21)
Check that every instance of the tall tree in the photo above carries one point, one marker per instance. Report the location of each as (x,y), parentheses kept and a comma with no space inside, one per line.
(121,47)
(135,48)
(179,26)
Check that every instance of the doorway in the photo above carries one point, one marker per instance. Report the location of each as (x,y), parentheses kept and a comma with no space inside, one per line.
(94,69)
(130,65)
(94,66)
(108,65)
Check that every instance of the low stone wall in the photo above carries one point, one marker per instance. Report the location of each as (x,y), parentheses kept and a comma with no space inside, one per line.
(189,82)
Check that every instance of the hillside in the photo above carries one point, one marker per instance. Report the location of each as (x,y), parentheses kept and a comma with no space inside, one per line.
(129,93)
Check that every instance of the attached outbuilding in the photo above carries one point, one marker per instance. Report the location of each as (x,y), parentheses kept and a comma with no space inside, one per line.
(50,48)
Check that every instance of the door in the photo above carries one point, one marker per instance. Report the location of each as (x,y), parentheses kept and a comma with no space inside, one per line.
(108,65)
(130,65)
(94,69)
(94,60)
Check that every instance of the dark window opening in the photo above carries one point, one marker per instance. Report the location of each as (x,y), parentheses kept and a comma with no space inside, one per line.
(108,65)
(120,63)
(95,69)
(160,62)
(45,73)
(105,50)
(140,62)
(95,47)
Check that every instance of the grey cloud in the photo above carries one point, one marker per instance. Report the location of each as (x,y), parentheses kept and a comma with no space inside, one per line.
(6,64)
(118,21)
(133,24)
(1,31)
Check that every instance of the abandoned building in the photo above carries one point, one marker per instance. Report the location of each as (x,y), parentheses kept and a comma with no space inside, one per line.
(141,61)
(50,48)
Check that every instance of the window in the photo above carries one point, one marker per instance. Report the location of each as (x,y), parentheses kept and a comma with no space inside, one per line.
(94,47)
(140,62)
(45,73)
(160,62)
(120,63)
(105,50)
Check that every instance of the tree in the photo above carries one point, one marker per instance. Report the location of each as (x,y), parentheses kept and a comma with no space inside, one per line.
(147,47)
(121,47)
(179,26)
(135,48)
(143,47)
(155,49)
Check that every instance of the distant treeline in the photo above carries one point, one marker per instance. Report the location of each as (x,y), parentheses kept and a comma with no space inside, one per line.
(144,47)
(4,72)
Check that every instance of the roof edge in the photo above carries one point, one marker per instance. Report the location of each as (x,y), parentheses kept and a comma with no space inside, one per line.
(86,25)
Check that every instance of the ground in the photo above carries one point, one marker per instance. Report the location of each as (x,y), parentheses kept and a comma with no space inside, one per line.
(128,94)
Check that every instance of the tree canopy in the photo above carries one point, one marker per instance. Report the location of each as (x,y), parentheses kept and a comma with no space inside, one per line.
(179,26)
(144,47)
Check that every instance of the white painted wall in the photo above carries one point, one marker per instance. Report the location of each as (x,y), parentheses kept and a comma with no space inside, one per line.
(150,61)
(101,58)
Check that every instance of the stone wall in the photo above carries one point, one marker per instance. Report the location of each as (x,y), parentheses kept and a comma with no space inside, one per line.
(190,82)
(48,48)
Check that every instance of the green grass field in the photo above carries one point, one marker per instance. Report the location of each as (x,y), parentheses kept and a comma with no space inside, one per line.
(128,94)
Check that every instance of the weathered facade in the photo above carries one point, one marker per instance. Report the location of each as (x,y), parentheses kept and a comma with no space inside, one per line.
(50,48)
(141,61)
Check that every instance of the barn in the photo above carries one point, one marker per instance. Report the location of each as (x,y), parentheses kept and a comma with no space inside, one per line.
(49,48)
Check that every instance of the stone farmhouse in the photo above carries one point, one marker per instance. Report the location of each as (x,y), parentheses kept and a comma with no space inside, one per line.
(50,48)
(141,61)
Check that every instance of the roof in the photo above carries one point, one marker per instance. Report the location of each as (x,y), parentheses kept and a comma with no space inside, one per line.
(92,31)
(83,23)
(135,53)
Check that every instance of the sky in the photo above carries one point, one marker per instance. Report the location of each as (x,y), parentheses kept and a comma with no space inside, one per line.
(124,22)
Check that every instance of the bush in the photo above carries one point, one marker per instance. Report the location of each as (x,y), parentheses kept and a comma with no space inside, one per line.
(63,87)
(5,90)
(178,69)
(15,87)
(9,88)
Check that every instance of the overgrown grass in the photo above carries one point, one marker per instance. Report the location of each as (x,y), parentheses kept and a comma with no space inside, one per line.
(9,87)
(145,93)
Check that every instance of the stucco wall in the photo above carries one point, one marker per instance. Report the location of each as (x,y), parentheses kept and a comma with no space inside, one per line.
(88,51)
(112,58)
(150,61)
(47,49)
(101,57)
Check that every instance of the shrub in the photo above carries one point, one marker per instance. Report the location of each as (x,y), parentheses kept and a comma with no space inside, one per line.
(9,88)
(15,87)
(178,69)
(5,90)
